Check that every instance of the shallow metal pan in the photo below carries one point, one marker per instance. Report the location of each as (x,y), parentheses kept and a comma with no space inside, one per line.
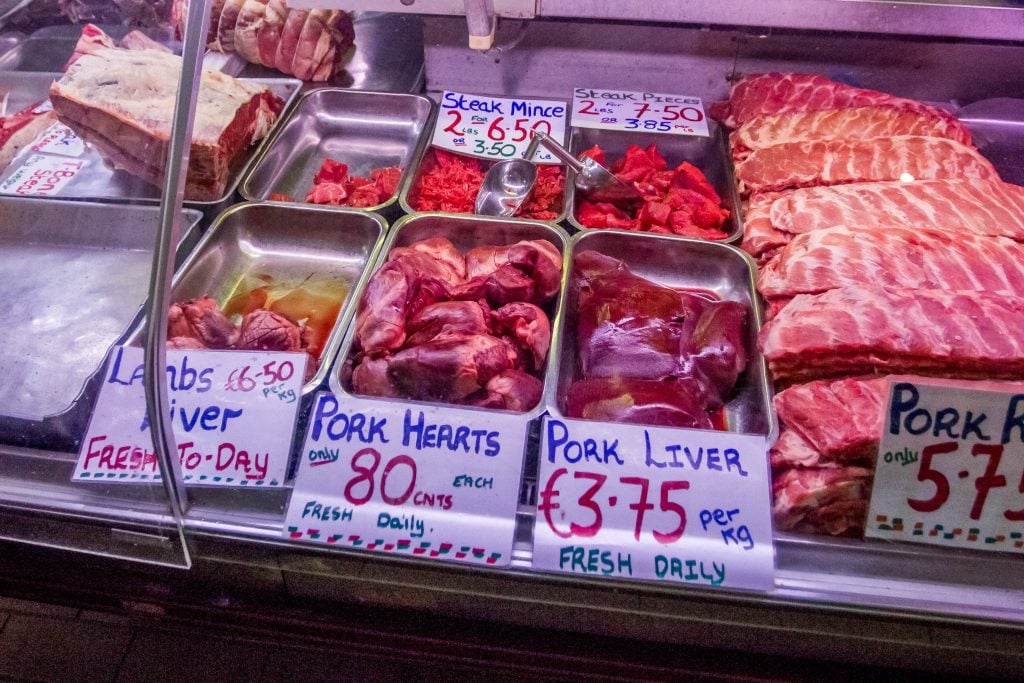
(710,155)
(678,263)
(284,242)
(465,232)
(997,126)
(100,181)
(365,130)
(75,277)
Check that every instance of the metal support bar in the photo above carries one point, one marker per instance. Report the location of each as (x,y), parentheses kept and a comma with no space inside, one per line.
(157,400)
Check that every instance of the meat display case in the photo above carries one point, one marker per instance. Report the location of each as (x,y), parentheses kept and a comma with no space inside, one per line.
(844,599)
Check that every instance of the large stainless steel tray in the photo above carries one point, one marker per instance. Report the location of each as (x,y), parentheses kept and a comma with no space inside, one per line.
(465,232)
(678,263)
(388,55)
(710,155)
(48,49)
(100,181)
(283,242)
(74,278)
(365,130)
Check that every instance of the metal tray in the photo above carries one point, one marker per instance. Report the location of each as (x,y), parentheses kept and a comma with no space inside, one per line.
(8,41)
(50,48)
(424,163)
(382,59)
(679,263)
(101,181)
(74,277)
(710,155)
(365,130)
(282,241)
(465,232)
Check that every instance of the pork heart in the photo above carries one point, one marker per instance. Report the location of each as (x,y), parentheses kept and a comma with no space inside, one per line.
(450,368)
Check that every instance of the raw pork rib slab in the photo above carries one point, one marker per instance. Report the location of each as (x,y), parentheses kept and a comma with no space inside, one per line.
(893,257)
(122,101)
(830,500)
(841,420)
(834,162)
(779,93)
(861,123)
(760,239)
(861,330)
(985,207)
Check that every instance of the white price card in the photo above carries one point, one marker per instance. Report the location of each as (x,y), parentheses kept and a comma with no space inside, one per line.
(427,481)
(950,466)
(233,415)
(673,505)
(495,127)
(42,175)
(59,139)
(636,111)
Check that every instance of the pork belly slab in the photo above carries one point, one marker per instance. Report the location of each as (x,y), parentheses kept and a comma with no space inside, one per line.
(780,93)
(835,162)
(122,101)
(867,329)
(859,123)
(818,261)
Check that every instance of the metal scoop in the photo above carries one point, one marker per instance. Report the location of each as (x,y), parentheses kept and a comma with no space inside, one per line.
(508,183)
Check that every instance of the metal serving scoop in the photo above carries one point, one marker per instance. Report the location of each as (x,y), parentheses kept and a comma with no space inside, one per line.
(508,183)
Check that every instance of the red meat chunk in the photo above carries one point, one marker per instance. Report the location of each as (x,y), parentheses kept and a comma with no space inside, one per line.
(677,201)
(333,185)
(453,180)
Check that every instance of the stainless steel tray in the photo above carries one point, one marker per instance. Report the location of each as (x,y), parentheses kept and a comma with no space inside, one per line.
(388,55)
(710,155)
(100,181)
(284,242)
(8,41)
(74,278)
(50,48)
(465,232)
(365,130)
(679,263)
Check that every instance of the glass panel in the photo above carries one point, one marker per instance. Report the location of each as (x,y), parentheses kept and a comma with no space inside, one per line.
(88,93)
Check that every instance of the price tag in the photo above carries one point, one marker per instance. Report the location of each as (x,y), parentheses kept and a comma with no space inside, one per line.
(673,505)
(59,139)
(645,112)
(431,481)
(232,412)
(42,175)
(950,467)
(495,127)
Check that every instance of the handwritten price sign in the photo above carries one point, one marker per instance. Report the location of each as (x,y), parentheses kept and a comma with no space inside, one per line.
(232,412)
(674,505)
(42,175)
(638,111)
(497,128)
(950,468)
(432,481)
